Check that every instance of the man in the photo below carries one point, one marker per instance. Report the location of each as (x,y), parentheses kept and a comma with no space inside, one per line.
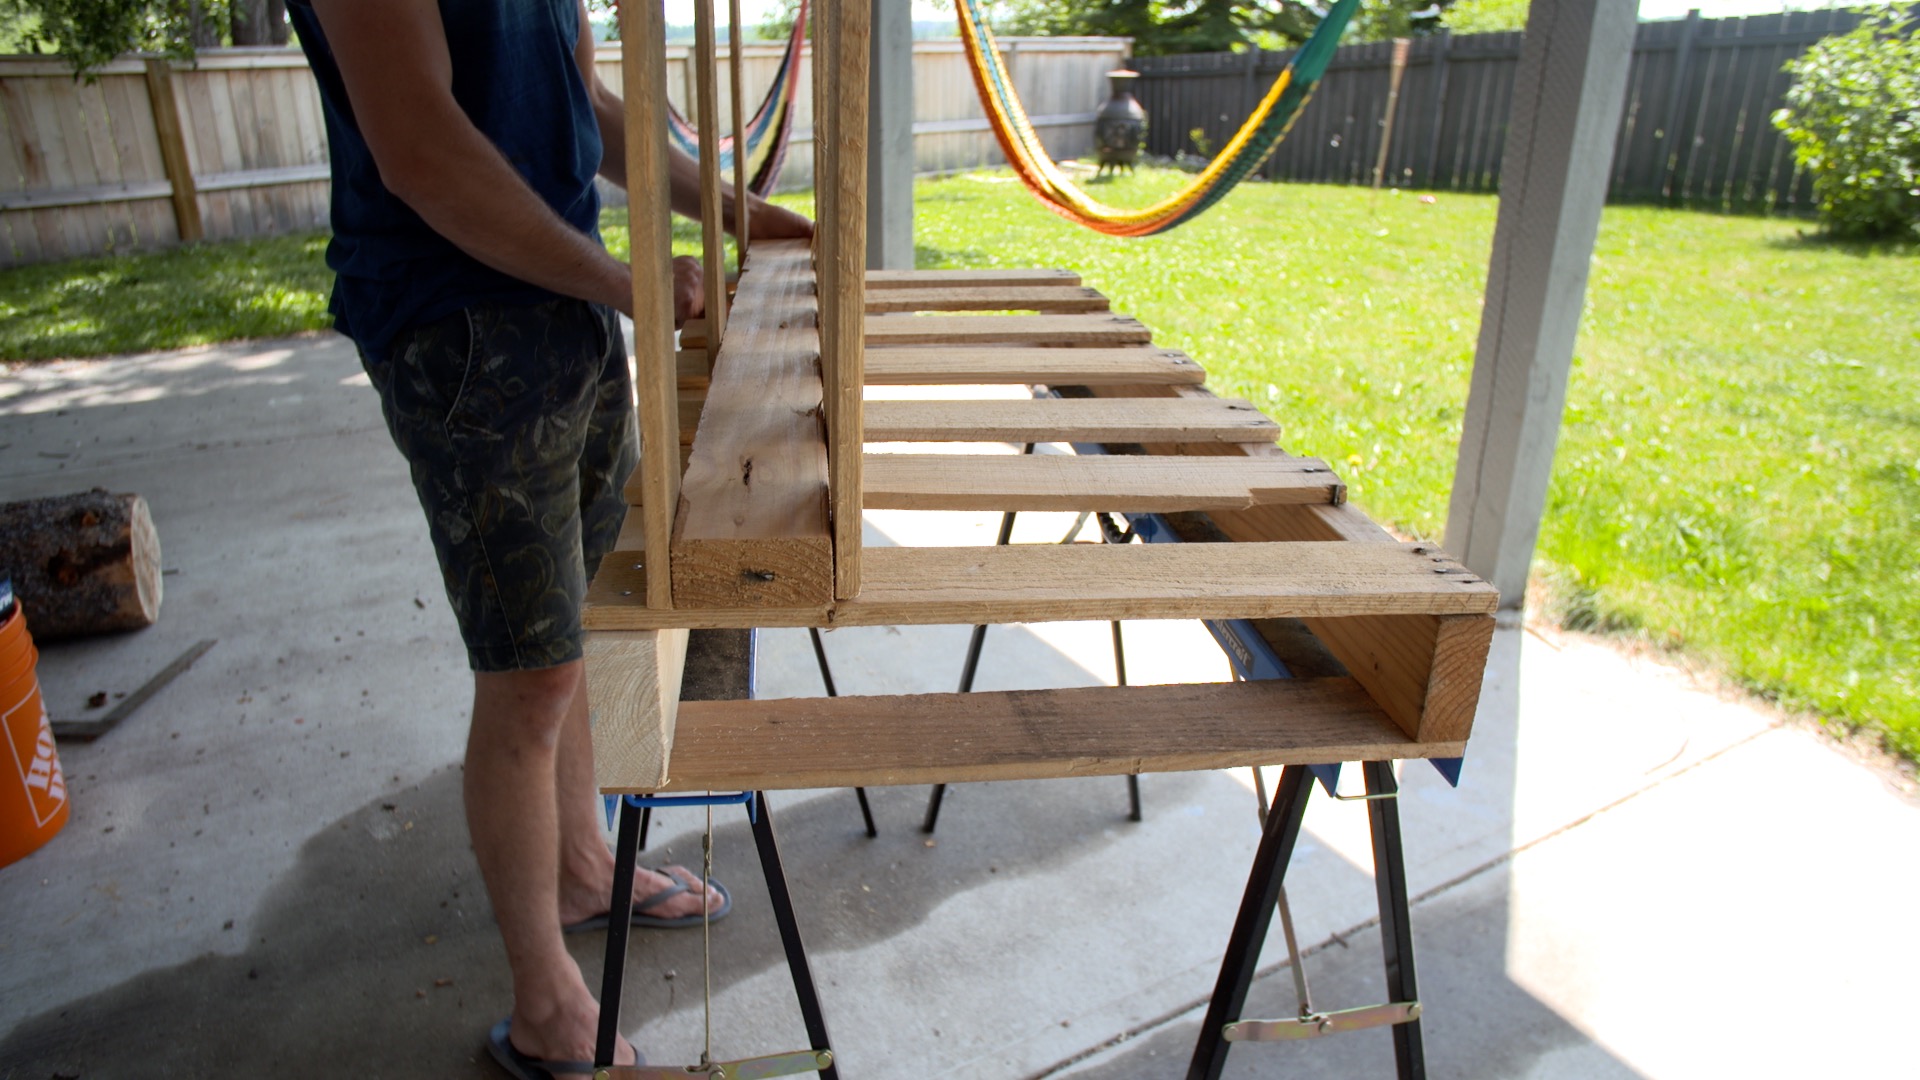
(465,137)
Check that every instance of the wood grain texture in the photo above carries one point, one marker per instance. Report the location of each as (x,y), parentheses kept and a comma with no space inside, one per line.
(1063,482)
(752,529)
(173,149)
(934,279)
(644,84)
(1098,329)
(1029,734)
(843,312)
(713,242)
(1053,582)
(1205,420)
(1394,656)
(925,365)
(633,692)
(1049,299)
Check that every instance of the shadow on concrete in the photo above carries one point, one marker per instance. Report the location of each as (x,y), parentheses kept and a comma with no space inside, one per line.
(378,953)
(1478,1024)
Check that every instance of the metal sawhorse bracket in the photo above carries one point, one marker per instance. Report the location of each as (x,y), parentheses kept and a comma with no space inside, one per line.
(719,668)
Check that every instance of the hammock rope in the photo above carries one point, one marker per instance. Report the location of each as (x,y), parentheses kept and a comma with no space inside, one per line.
(770,129)
(1240,158)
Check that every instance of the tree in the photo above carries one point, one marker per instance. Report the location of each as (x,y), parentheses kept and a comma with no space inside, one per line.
(1853,116)
(1160,27)
(90,33)
(1487,16)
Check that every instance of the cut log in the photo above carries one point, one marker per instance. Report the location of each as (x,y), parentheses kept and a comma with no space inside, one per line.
(82,564)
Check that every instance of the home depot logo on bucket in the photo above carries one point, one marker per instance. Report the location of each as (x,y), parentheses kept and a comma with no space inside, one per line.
(30,737)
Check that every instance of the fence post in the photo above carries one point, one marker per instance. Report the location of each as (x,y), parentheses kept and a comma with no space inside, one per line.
(1676,100)
(890,152)
(173,149)
(1437,111)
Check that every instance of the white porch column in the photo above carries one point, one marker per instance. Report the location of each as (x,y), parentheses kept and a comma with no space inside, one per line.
(890,138)
(1567,98)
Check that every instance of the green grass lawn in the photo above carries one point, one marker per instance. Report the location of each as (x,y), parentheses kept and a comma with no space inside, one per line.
(1739,474)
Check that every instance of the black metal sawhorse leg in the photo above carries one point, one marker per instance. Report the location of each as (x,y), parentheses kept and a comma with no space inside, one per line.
(779,897)
(1257,904)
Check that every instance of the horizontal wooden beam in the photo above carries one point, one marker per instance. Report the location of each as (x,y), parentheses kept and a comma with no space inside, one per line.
(1074,483)
(1099,329)
(1051,299)
(1056,582)
(1174,420)
(929,279)
(923,365)
(1029,734)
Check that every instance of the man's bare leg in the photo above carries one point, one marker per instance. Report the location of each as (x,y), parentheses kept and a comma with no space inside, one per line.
(586,864)
(512,752)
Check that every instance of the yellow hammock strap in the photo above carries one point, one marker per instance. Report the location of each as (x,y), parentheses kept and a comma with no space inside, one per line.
(1029,158)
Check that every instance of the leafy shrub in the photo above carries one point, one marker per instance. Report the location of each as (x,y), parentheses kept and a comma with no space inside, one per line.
(1853,116)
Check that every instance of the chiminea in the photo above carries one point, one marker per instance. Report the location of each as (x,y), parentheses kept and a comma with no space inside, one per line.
(1120,128)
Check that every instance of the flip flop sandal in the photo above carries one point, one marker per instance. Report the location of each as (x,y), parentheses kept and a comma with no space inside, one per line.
(659,922)
(527,1067)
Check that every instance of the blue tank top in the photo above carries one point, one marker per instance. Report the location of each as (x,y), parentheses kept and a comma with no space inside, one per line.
(514,75)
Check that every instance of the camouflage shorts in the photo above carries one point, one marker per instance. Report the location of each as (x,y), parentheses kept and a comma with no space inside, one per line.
(518,424)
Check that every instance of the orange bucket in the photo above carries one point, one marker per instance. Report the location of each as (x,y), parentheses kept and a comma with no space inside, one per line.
(33,792)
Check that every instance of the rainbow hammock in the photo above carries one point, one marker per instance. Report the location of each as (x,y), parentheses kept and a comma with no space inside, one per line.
(770,128)
(1249,149)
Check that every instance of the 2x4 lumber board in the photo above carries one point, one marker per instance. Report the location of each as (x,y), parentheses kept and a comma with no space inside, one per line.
(1064,582)
(644,78)
(712,229)
(752,529)
(1424,670)
(633,683)
(979,279)
(1029,734)
(1049,299)
(1198,420)
(1011,482)
(842,303)
(923,365)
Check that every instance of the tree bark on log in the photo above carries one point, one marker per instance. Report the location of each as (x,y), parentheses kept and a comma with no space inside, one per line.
(82,564)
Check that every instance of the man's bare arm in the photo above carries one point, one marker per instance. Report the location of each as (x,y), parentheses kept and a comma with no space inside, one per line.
(767,220)
(393,58)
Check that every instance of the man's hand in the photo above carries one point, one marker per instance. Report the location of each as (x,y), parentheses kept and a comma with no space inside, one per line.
(770,222)
(689,296)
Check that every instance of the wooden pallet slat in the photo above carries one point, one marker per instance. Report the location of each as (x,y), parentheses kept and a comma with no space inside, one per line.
(1073,483)
(1026,734)
(1095,329)
(1195,420)
(1029,365)
(1049,299)
(977,279)
(1055,582)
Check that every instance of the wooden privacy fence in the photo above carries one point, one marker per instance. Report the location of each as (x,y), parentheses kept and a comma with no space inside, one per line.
(1696,128)
(233,146)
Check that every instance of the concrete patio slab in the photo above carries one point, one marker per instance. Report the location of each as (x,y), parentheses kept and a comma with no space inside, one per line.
(267,865)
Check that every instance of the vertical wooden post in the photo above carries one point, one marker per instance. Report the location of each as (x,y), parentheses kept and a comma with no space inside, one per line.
(1567,94)
(843,308)
(1400,47)
(643,63)
(712,228)
(173,149)
(736,61)
(890,149)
